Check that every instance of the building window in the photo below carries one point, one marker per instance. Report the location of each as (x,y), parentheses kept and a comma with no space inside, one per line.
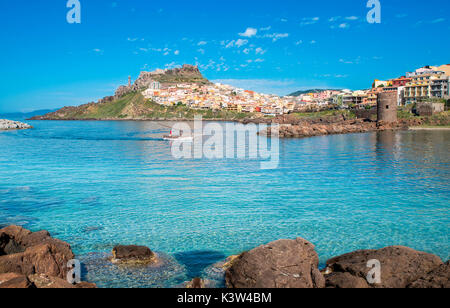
(387,107)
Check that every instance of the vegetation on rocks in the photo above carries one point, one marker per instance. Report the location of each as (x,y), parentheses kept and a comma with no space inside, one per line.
(134,106)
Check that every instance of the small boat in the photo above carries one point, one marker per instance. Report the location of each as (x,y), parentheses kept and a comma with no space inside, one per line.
(172,137)
(179,138)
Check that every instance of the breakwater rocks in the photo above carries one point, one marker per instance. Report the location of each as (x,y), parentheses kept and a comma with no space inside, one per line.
(10,125)
(327,127)
(34,260)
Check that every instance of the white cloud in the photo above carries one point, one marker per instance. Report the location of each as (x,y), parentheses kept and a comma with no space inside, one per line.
(265,28)
(299,42)
(230,44)
(202,51)
(355,61)
(276,36)
(309,21)
(260,51)
(250,32)
(202,43)
(344,26)
(438,20)
(171,65)
(352,18)
(345,62)
(240,42)
(177,52)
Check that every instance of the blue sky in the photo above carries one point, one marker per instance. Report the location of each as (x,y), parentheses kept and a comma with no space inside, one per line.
(274,47)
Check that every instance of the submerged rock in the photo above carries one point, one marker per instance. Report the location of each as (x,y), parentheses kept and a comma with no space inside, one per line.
(9,125)
(133,254)
(400,266)
(165,273)
(280,264)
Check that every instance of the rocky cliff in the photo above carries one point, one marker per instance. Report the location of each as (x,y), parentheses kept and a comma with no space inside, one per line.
(127,102)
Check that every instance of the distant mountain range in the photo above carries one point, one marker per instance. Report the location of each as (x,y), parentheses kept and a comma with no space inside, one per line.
(12,115)
(298,93)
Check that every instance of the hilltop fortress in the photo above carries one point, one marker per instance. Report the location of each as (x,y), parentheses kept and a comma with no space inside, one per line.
(153,80)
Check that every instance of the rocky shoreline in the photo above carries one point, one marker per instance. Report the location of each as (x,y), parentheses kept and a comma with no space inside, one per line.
(36,260)
(11,125)
(289,127)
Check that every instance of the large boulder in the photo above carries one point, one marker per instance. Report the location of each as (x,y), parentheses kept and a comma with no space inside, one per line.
(133,254)
(42,281)
(15,281)
(29,260)
(27,253)
(400,266)
(436,279)
(280,264)
(41,259)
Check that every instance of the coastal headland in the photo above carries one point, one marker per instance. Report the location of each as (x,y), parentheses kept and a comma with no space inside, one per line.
(180,94)
(36,260)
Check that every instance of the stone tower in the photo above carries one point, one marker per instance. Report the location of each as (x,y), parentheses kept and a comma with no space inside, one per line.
(387,107)
(129,81)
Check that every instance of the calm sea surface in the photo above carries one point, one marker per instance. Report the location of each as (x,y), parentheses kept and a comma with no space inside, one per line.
(97,184)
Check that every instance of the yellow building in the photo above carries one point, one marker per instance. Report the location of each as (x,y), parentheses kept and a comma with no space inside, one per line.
(420,87)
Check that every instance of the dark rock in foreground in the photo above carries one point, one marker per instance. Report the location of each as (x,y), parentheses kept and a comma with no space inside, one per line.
(400,266)
(196,283)
(133,254)
(436,279)
(26,257)
(30,253)
(280,264)
(15,281)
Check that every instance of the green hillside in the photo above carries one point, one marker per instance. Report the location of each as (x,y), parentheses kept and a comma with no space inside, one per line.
(135,106)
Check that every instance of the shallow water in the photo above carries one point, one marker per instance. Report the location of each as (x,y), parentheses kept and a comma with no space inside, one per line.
(97,184)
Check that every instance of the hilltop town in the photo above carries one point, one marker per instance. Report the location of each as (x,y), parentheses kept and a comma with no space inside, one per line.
(424,83)
(185,88)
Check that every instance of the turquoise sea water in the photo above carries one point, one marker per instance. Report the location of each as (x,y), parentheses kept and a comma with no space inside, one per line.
(97,184)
